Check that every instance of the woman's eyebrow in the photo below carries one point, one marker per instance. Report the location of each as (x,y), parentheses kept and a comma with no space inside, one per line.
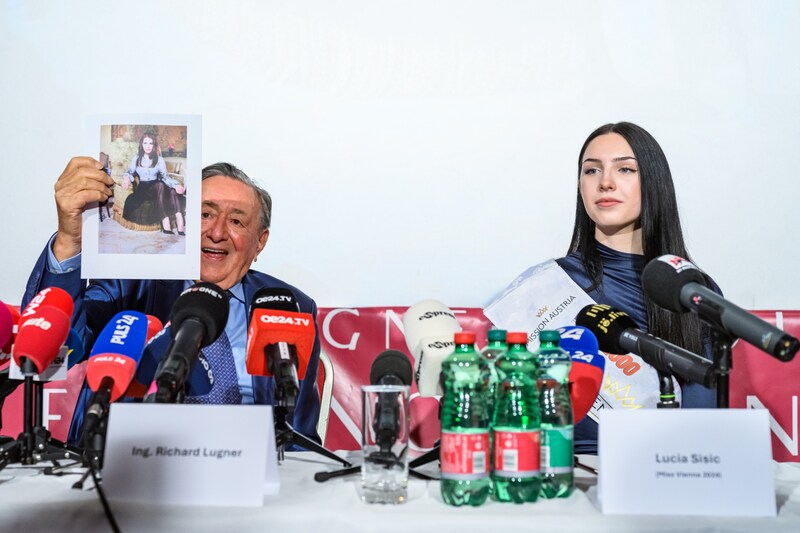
(615,160)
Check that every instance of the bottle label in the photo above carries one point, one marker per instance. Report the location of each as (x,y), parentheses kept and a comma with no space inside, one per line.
(464,455)
(516,452)
(557,450)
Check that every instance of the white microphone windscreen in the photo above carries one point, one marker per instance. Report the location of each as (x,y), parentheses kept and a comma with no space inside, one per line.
(428,318)
(429,355)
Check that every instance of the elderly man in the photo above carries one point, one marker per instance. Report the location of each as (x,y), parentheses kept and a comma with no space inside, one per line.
(234,229)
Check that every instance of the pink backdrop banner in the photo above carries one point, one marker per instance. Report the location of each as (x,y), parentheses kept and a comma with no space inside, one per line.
(760,381)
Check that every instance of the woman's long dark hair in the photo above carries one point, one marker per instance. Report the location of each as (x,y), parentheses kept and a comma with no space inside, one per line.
(661,230)
(153,154)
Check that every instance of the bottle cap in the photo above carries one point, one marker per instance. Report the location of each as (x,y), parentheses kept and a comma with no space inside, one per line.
(496,335)
(464,337)
(549,335)
(517,337)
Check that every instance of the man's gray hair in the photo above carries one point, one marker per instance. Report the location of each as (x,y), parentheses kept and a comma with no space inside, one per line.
(231,171)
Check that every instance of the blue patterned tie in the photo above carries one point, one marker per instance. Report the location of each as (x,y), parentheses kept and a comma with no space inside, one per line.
(226,382)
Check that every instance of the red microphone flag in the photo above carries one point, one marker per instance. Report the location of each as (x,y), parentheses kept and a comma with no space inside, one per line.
(271,326)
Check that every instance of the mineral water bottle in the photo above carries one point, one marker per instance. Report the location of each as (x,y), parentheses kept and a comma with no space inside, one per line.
(515,425)
(497,346)
(464,446)
(556,410)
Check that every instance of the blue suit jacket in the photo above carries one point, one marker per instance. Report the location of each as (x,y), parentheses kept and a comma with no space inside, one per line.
(97,301)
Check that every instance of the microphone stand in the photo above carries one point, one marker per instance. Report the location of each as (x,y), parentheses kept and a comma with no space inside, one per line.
(95,442)
(285,433)
(46,448)
(428,457)
(281,358)
(666,390)
(34,443)
(93,438)
(721,344)
(21,449)
(325,476)
(384,456)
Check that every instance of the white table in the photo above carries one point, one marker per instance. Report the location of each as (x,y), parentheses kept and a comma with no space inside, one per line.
(31,501)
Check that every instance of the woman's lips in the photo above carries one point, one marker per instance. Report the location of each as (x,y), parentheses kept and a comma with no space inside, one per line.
(607,202)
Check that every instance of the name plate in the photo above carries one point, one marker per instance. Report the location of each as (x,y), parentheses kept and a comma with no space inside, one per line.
(190,454)
(701,462)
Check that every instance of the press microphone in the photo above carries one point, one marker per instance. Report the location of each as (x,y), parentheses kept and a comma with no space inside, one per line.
(11,319)
(586,373)
(49,297)
(428,327)
(390,367)
(677,285)
(200,380)
(74,353)
(43,329)
(138,389)
(112,363)
(5,348)
(154,326)
(198,318)
(6,324)
(36,348)
(616,333)
(280,340)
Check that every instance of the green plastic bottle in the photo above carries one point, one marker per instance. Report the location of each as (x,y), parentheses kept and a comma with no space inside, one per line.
(497,346)
(516,438)
(464,446)
(557,424)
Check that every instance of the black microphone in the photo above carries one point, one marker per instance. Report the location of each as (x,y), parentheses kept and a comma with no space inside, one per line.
(677,285)
(617,333)
(198,318)
(389,368)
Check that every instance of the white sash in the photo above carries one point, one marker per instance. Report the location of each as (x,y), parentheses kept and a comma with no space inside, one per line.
(545,297)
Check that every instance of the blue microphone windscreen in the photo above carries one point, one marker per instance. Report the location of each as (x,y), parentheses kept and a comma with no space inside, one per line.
(125,334)
(582,345)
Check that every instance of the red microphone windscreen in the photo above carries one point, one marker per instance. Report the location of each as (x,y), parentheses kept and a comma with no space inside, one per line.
(6,324)
(5,350)
(41,336)
(585,380)
(118,367)
(586,373)
(154,325)
(50,297)
(136,389)
(271,326)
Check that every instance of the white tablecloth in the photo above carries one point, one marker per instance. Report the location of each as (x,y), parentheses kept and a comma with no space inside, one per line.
(31,501)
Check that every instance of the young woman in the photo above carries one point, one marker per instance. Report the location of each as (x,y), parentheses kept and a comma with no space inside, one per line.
(627,215)
(155,199)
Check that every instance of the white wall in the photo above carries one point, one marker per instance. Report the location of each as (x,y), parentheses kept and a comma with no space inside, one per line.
(422,149)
